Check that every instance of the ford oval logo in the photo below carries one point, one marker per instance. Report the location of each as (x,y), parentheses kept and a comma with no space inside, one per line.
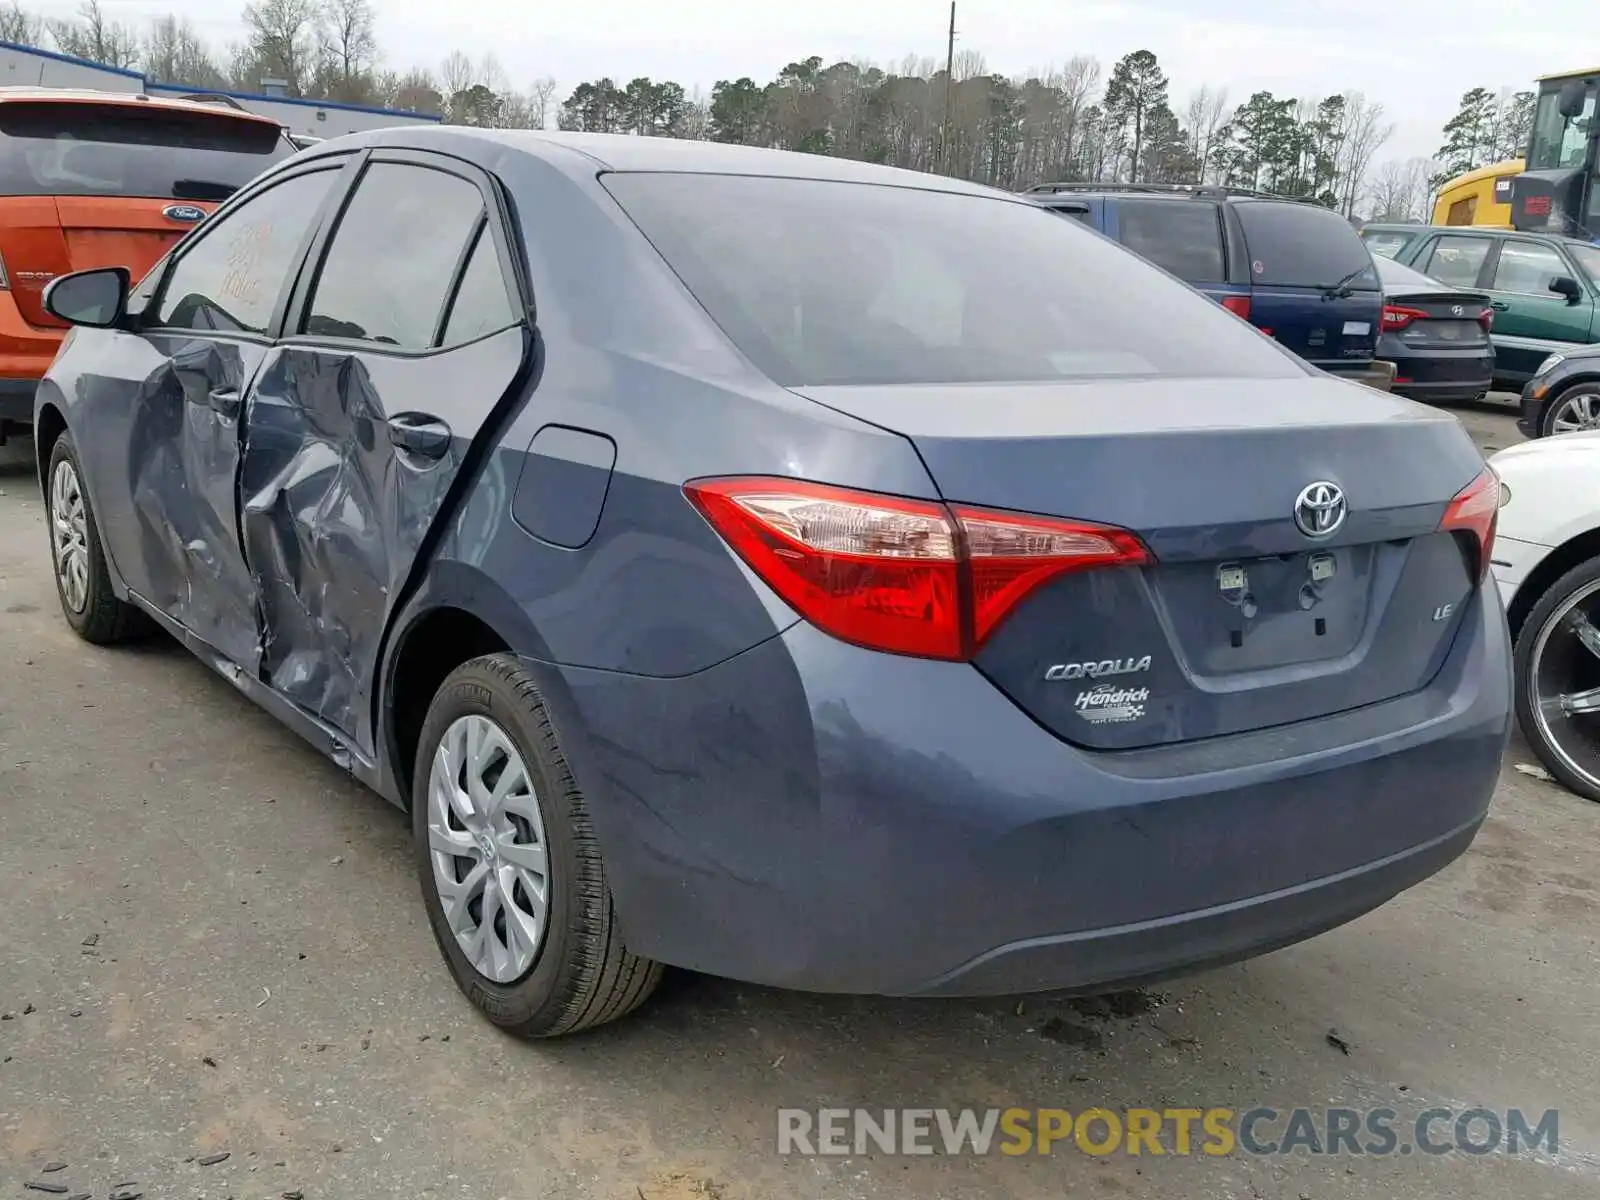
(186,213)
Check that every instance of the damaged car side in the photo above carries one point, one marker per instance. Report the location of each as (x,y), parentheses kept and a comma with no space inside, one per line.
(759,563)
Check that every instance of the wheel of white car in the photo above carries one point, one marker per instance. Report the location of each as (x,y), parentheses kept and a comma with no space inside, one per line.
(1558,679)
(1572,411)
(512,874)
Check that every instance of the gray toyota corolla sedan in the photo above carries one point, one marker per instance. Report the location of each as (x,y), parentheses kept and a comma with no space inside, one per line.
(786,568)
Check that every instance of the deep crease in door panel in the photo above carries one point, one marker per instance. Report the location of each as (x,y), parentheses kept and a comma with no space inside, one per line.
(182,462)
(334,514)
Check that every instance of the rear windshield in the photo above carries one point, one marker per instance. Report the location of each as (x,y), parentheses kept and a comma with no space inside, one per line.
(1301,245)
(843,283)
(54,148)
(1184,236)
(1397,277)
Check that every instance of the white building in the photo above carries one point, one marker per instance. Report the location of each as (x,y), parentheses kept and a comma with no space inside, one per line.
(26,66)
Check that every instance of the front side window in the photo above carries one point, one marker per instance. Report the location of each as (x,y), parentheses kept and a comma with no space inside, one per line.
(1527,269)
(229,280)
(1458,260)
(393,256)
(1559,141)
(1182,236)
(829,283)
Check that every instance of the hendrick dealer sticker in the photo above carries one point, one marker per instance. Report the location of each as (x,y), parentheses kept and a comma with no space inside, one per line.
(1108,704)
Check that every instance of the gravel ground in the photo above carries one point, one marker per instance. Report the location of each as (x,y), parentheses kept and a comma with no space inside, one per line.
(213,944)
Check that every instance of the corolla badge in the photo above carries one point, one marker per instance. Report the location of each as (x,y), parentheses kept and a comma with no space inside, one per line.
(187,213)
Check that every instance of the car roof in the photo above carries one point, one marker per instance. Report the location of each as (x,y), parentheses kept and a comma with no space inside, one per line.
(628,152)
(14,94)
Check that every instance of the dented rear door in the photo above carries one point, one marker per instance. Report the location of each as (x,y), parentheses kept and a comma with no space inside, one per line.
(363,422)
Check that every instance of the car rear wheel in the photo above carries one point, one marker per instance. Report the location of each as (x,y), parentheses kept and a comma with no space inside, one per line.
(512,874)
(77,558)
(1572,411)
(1558,679)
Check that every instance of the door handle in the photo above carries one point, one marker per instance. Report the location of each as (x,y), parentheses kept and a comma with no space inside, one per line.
(423,435)
(1499,305)
(225,401)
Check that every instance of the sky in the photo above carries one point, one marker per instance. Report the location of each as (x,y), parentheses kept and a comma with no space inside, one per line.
(1417,67)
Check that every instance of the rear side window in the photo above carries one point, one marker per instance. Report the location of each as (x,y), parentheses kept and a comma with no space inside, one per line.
(1301,245)
(1386,245)
(1183,236)
(229,279)
(843,283)
(481,304)
(75,148)
(1458,260)
(393,256)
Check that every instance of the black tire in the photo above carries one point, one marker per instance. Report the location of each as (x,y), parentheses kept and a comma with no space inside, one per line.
(583,974)
(1553,404)
(104,619)
(1525,667)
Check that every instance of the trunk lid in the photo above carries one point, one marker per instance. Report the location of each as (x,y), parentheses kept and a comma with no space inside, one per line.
(1333,331)
(1449,320)
(1243,621)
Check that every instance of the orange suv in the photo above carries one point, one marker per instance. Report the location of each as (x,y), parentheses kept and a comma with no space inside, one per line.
(98,179)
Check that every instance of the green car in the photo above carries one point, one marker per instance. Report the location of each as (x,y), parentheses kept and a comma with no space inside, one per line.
(1543,287)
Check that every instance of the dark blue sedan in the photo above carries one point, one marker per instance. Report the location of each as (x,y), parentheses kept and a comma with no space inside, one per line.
(786,568)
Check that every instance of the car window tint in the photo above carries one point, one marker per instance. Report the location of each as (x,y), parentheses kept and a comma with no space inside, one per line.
(75,148)
(1081,215)
(1457,260)
(821,282)
(231,277)
(481,304)
(1386,245)
(1183,236)
(1527,268)
(393,256)
(1303,245)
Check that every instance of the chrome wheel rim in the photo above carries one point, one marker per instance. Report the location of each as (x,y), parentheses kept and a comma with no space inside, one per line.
(1565,687)
(69,536)
(487,846)
(1574,414)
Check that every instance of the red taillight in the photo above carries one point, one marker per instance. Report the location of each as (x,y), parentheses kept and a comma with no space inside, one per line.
(1397,317)
(904,576)
(1475,510)
(1239,306)
(1486,319)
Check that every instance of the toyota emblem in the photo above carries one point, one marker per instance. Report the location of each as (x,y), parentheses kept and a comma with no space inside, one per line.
(1320,509)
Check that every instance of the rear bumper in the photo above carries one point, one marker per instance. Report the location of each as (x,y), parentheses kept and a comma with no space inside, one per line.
(1377,374)
(812,815)
(1441,375)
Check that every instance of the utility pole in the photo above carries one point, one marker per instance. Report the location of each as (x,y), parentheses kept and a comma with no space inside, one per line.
(949,85)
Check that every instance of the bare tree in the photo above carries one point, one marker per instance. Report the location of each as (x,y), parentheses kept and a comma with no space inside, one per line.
(281,42)
(95,38)
(19,25)
(541,95)
(1207,116)
(697,117)
(1364,135)
(348,40)
(457,73)
(1401,189)
(175,53)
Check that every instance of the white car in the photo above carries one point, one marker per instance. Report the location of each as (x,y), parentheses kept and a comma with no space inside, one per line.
(1546,561)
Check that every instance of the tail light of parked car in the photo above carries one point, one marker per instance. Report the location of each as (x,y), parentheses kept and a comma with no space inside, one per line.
(1486,319)
(1474,511)
(904,576)
(1397,317)
(1239,306)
